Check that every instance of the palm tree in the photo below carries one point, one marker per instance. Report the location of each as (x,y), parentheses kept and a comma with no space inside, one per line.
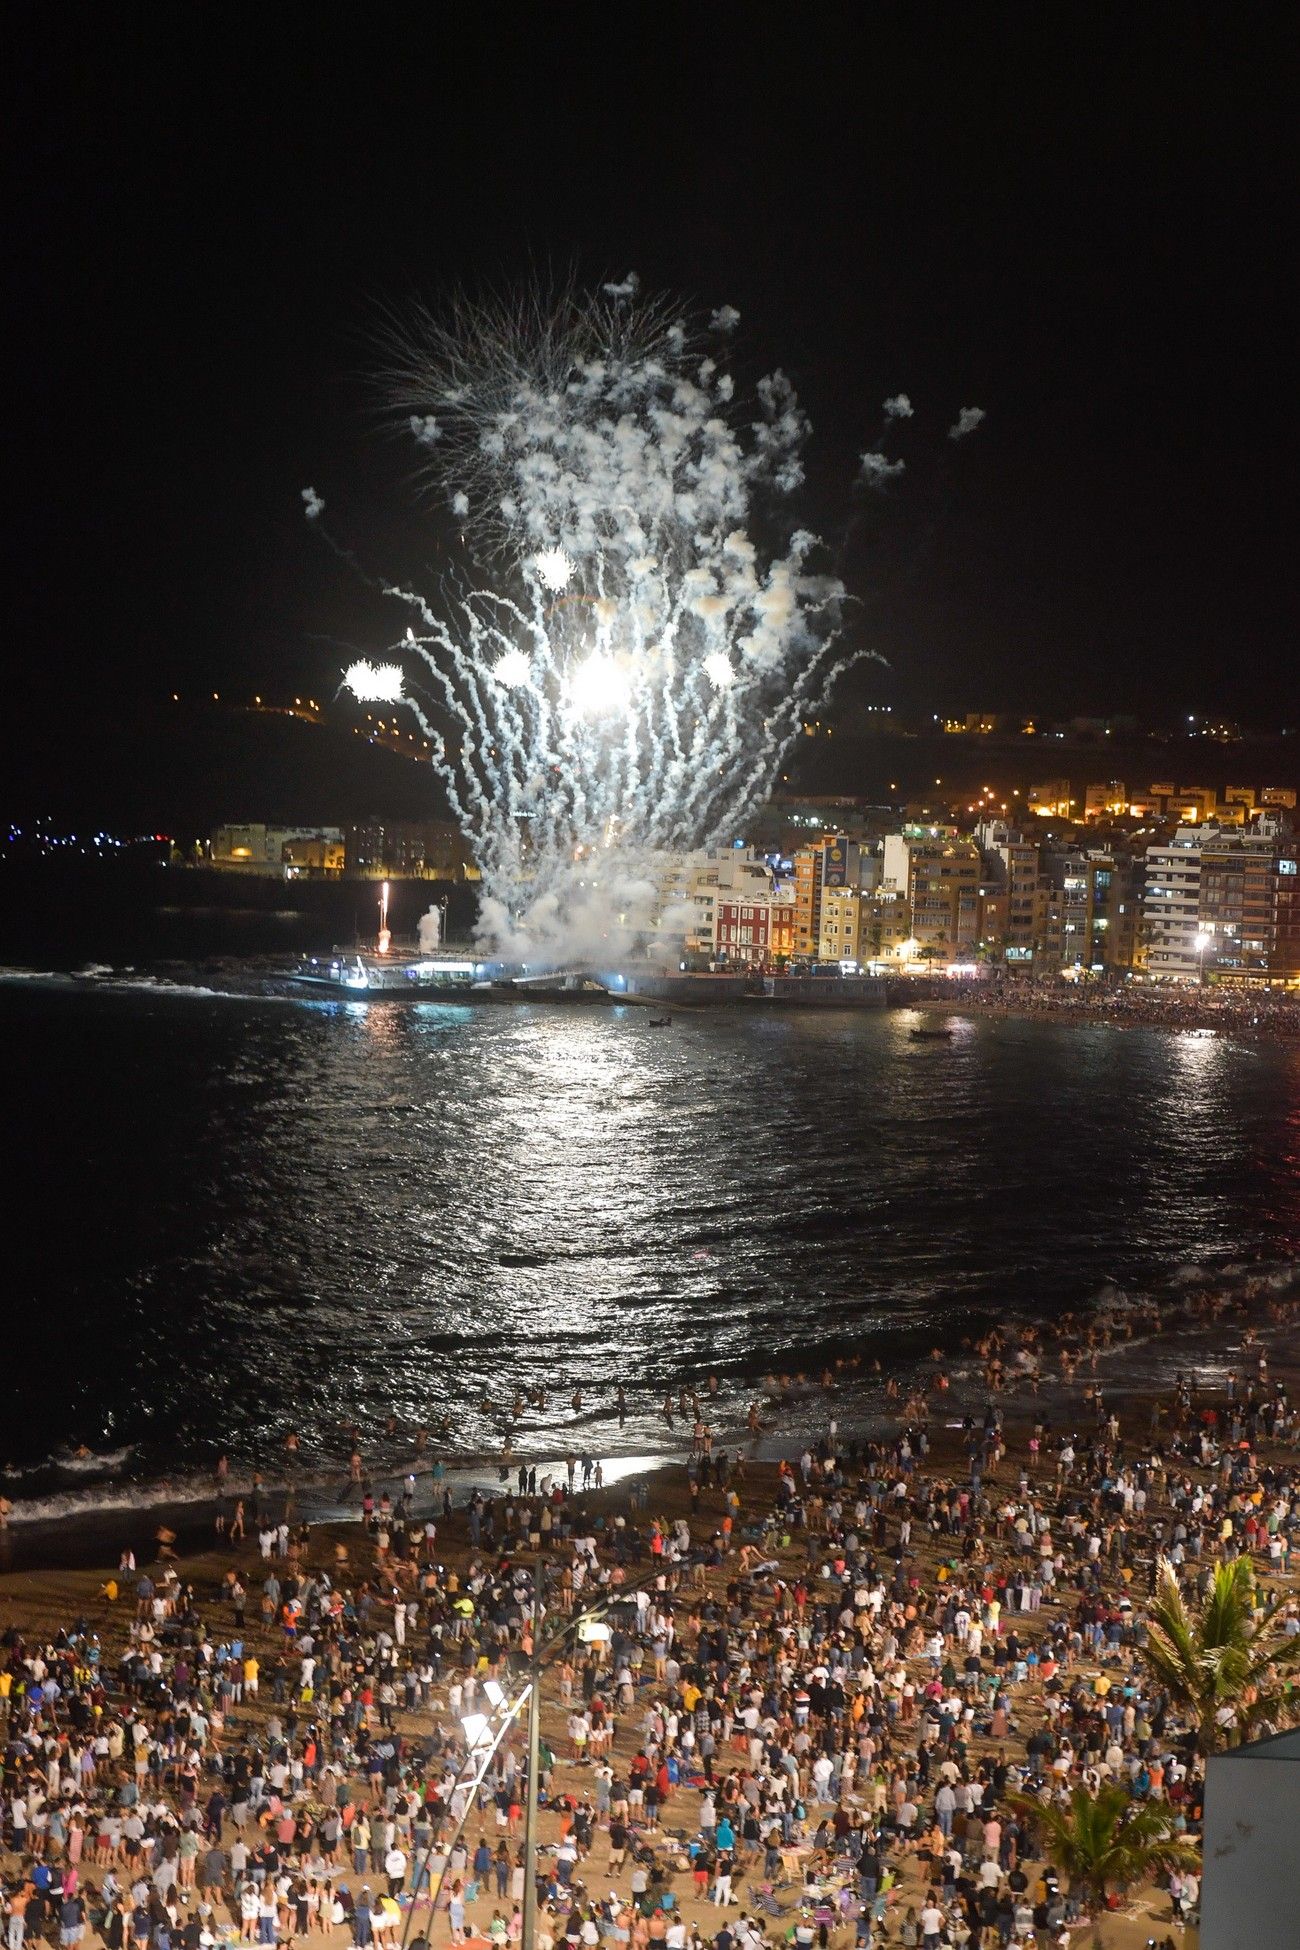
(1107,1840)
(1211,1653)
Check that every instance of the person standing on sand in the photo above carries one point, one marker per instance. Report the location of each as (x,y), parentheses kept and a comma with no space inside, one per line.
(16,1925)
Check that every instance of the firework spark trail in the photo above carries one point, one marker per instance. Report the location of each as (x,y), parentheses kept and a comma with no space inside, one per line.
(626,679)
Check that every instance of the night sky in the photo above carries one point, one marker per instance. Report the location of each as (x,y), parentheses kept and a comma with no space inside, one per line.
(1089,235)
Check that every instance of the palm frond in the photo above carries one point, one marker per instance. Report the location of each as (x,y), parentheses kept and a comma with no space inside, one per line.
(1214,1652)
(1106,1840)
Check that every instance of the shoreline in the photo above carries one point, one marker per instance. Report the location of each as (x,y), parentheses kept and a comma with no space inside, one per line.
(1266,1018)
(40,1604)
(1211,1333)
(1264,1015)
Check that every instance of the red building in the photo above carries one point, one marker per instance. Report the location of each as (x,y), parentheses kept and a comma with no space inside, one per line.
(756,931)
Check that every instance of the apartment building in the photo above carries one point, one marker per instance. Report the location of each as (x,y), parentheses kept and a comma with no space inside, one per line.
(940,879)
(1171,905)
(1249,910)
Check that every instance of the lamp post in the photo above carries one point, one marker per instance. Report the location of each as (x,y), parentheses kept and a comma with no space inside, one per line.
(589,1627)
(482,1740)
(1202,942)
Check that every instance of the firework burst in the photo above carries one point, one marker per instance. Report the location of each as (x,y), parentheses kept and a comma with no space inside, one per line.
(623,676)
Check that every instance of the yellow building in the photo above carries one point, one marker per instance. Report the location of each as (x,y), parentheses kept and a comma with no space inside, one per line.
(1051,800)
(1192,804)
(833,863)
(303,857)
(885,927)
(940,880)
(253,847)
(840,936)
(1105,801)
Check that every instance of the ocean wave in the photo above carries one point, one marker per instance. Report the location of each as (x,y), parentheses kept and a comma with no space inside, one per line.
(318,1496)
(71,1462)
(150,984)
(61,1505)
(88,1462)
(106,979)
(164,1492)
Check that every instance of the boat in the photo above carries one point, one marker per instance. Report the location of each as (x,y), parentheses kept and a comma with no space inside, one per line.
(366,976)
(932,1035)
(659,1022)
(405,974)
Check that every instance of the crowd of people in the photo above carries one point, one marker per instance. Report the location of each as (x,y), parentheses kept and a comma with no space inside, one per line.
(825,1702)
(1229,1010)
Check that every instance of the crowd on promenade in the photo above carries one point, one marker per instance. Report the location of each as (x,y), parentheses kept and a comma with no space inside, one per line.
(826,1698)
(1274,1014)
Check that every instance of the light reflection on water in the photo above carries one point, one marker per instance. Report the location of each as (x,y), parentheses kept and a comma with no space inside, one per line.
(322,1213)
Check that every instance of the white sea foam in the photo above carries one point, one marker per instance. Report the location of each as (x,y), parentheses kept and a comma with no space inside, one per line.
(108,980)
(106,1463)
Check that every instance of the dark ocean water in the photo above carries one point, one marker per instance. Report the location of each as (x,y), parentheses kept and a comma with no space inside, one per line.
(227,1215)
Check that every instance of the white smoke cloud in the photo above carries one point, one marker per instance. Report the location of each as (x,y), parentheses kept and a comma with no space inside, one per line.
(313,506)
(724,319)
(966,422)
(429,931)
(425,428)
(898,407)
(877,472)
(602,910)
(625,291)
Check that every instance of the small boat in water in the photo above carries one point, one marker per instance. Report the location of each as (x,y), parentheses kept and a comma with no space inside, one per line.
(659,1022)
(932,1035)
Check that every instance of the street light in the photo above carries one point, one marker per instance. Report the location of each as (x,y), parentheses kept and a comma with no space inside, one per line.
(483,1736)
(478,1726)
(1202,942)
(482,1739)
(590,1628)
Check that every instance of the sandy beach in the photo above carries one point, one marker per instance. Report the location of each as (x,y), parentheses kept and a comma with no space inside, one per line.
(65,1585)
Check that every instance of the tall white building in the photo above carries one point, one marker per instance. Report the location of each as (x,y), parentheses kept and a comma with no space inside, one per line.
(1171,904)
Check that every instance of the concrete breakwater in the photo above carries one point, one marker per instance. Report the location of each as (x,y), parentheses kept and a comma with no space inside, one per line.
(803,991)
